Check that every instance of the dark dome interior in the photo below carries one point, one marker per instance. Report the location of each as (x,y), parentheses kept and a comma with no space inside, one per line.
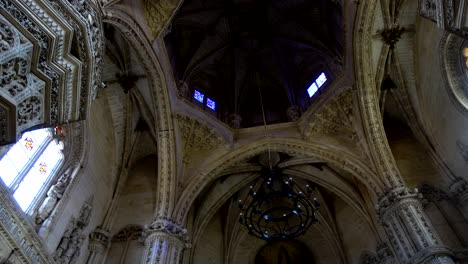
(233,51)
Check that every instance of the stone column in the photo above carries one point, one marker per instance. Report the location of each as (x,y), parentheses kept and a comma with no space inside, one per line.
(164,243)
(99,242)
(409,230)
(459,191)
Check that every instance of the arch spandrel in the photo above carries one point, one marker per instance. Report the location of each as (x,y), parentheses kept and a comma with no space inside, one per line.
(292,147)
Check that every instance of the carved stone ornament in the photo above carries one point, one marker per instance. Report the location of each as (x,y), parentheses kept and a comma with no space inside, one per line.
(99,240)
(197,136)
(54,194)
(19,233)
(408,228)
(68,250)
(164,242)
(336,117)
(454,74)
(157,14)
(432,193)
(130,232)
(66,99)
(392,35)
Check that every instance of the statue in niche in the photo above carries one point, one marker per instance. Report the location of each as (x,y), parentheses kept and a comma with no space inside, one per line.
(69,247)
(64,241)
(53,196)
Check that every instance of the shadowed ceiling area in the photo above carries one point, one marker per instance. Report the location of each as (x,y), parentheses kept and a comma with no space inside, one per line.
(233,51)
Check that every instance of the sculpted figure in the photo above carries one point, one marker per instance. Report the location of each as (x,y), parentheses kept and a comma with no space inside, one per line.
(53,195)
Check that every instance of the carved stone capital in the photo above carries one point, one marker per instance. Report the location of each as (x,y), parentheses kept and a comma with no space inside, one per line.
(165,229)
(394,199)
(459,191)
(99,240)
(408,228)
(164,242)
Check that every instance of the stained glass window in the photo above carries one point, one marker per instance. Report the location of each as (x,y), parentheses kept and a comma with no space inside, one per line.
(211,104)
(27,166)
(198,96)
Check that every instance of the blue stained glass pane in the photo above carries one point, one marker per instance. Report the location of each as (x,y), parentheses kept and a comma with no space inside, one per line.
(198,96)
(211,104)
(312,89)
(321,79)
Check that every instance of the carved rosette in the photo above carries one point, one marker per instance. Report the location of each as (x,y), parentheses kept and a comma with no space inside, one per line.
(408,228)
(165,242)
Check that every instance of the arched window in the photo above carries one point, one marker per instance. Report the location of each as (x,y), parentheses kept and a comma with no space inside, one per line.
(29,165)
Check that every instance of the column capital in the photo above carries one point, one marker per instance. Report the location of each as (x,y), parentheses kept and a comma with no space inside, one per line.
(393,199)
(459,190)
(99,240)
(167,230)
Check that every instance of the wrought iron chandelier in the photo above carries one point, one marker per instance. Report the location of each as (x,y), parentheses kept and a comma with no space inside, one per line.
(276,208)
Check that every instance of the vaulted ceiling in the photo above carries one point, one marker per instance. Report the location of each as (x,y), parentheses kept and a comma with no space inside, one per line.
(242,53)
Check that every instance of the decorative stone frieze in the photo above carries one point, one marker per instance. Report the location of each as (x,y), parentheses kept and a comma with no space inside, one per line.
(164,242)
(408,228)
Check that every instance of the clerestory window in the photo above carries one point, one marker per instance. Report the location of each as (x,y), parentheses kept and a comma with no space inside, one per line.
(27,168)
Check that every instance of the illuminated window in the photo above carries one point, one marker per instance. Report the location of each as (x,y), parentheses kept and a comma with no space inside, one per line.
(321,79)
(198,96)
(313,88)
(211,104)
(29,164)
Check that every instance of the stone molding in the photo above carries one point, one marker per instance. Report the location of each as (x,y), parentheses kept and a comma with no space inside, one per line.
(99,240)
(162,111)
(15,228)
(452,71)
(53,26)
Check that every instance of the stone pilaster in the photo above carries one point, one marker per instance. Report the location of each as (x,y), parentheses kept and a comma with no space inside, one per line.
(165,242)
(459,191)
(409,230)
(99,242)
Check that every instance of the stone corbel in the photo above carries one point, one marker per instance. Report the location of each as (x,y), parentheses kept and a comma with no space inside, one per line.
(459,191)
